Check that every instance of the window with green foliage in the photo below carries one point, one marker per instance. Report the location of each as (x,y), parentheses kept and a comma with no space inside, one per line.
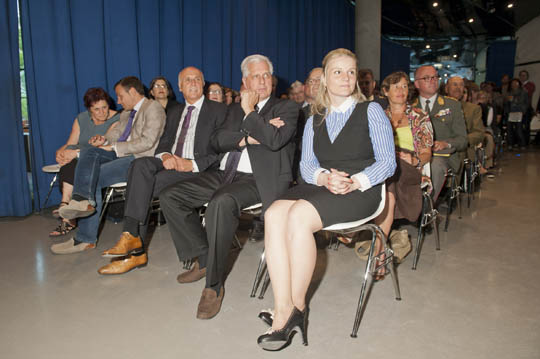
(24,101)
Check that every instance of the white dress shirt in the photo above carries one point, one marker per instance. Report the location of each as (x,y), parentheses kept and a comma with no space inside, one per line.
(189,142)
(431,102)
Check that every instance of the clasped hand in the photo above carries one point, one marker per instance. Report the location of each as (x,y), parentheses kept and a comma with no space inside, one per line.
(339,182)
(174,162)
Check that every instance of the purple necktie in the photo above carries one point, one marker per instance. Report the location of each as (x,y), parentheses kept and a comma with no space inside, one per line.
(127,130)
(183,132)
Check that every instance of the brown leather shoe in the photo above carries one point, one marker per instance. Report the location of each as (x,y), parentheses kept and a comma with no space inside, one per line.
(122,266)
(192,275)
(210,303)
(126,245)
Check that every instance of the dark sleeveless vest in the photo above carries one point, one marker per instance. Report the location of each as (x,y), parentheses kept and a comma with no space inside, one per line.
(352,150)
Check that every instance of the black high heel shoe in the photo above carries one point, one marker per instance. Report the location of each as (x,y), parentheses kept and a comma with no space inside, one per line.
(267,316)
(279,339)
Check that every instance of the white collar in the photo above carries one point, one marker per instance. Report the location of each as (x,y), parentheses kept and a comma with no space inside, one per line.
(262,103)
(137,107)
(431,100)
(344,106)
(197,104)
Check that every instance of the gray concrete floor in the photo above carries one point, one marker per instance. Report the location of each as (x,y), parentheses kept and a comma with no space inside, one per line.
(475,298)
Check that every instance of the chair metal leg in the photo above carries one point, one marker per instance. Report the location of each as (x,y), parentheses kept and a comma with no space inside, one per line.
(260,270)
(50,189)
(458,199)
(436,230)
(420,237)
(187,264)
(449,209)
(419,243)
(237,242)
(108,196)
(371,269)
(265,284)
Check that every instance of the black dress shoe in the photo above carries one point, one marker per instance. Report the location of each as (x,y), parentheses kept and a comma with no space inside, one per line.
(267,316)
(257,232)
(279,339)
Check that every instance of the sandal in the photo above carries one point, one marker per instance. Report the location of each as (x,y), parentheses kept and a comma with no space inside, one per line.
(55,212)
(379,258)
(63,228)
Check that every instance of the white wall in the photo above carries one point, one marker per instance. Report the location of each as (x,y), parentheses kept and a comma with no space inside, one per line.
(527,50)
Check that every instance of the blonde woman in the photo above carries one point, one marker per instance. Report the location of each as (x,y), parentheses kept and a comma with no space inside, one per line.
(347,153)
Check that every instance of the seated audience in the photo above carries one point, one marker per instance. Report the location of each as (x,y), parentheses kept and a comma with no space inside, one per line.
(455,88)
(107,162)
(491,127)
(348,152)
(98,118)
(449,129)
(413,138)
(228,96)
(256,168)
(183,152)
(162,92)
(215,92)
(297,92)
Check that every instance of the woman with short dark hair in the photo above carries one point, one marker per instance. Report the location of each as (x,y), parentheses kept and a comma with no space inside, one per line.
(98,118)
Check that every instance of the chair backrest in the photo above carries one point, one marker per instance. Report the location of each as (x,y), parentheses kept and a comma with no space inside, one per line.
(347,225)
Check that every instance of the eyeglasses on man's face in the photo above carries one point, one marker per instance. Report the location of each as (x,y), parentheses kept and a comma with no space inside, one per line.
(160,86)
(314,81)
(214,92)
(429,78)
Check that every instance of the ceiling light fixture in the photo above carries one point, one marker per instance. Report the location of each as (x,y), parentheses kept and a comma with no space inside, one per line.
(455,56)
(471,20)
(510,5)
(435,4)
(428,46)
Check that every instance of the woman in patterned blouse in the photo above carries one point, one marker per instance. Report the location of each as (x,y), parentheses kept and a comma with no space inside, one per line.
(413,138)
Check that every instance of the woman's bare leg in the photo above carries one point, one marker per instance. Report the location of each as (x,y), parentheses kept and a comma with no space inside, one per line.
(304,220)
(277,259)
(67,191)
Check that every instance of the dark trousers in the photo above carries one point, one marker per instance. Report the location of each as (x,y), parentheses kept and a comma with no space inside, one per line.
(146,179)
(180,204)
(515,134)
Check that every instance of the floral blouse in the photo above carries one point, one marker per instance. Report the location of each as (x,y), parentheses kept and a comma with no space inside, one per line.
(421,128)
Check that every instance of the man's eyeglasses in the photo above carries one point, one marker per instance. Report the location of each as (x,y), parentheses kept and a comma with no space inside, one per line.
(215,92)
(160,86)
(313,81)
(430,78)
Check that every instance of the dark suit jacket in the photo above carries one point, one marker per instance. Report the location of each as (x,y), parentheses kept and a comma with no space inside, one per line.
(271,160)
(212,116)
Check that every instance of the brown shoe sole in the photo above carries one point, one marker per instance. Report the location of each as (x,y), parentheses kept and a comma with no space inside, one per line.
(130,252)
(129,270)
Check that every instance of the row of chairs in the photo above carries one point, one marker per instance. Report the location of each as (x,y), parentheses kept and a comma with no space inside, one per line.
(375,262)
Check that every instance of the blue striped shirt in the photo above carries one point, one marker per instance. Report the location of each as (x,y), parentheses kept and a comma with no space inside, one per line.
(380,133)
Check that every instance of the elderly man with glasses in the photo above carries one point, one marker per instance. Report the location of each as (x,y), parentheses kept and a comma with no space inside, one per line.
(450,133)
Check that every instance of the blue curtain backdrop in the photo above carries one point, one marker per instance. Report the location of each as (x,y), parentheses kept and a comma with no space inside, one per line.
(500,60)
(394,57)
(14,193)
(71,45)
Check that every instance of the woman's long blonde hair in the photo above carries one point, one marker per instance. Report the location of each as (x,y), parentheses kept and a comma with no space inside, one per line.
(322,100)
